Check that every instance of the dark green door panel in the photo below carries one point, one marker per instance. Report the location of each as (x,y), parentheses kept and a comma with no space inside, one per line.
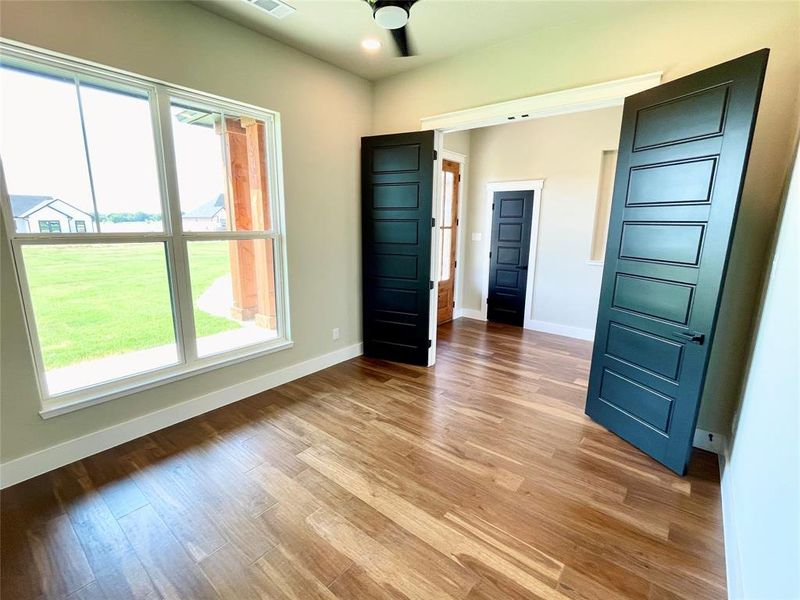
(508,263)
(396,195)
(681,164)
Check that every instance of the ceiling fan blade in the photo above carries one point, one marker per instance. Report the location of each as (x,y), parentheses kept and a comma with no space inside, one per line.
(400,37)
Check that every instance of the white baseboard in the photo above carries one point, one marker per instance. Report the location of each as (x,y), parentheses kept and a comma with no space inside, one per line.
(732,555)
(558,329)
(708,440)
(42,461)
(471,313)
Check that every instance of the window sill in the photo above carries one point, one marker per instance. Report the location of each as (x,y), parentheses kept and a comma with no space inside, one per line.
(56,406)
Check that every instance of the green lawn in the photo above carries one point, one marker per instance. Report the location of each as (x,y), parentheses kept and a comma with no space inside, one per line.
(95,301)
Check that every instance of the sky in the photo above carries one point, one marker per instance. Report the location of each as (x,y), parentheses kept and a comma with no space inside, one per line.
(42,147)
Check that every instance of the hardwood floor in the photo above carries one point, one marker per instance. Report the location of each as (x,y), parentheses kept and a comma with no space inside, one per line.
(480,478)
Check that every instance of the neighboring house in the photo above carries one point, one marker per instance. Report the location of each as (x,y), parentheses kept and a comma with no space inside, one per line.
(210,216)
(46,214)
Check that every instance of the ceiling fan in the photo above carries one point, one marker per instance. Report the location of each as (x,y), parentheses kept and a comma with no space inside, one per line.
(394,15)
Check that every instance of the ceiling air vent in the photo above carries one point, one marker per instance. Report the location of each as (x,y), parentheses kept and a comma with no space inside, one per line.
(276,8)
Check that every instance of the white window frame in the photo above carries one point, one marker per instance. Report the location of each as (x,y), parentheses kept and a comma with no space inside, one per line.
(173,237)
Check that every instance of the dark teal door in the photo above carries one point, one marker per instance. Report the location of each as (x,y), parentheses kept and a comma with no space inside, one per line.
(396,193)
(508,258)
(681,164)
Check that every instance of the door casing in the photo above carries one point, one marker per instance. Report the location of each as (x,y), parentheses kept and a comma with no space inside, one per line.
(461,159)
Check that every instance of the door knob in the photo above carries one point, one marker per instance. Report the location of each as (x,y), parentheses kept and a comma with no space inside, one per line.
(690,336)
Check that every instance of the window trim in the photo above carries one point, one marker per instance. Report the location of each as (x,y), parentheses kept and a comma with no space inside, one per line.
(173,237)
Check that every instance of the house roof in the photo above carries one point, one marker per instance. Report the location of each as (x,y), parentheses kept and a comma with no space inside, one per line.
(21,205)
(207,210)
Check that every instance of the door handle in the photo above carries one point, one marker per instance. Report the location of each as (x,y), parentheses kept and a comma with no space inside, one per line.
(690,336)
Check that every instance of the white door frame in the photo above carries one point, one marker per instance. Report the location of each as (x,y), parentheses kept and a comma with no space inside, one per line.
(436,201)
(461,159)
(534,185)
(589,97)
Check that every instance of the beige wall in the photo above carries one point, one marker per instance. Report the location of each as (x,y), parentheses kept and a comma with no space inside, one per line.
(677,38)
(566,152)
(182,44)
(457,141)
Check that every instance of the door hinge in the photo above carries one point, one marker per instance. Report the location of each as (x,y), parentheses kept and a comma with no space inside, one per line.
(459,178)
(431,283)
(455,263)
(457,222)
(435,155)
(454,303)
(492,205)
(430,343)
(490,255)
(433,222)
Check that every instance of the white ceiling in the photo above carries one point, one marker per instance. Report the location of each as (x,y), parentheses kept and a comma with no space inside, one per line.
(332,30)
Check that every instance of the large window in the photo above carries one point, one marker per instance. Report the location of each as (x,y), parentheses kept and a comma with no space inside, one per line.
(145,222)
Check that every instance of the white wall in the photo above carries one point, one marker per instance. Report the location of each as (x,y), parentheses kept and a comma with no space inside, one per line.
(566,152)
(180,43)
(761,486)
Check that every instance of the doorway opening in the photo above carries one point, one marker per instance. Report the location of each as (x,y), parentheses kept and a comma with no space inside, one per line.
(534,212)
(467,134)
(448,238)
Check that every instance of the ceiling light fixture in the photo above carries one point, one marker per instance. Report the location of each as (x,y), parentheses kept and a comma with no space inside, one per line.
(391,17)
(371,44)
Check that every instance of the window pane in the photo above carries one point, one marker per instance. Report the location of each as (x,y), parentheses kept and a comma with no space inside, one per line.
(233,291)
(212,149)
(447,213)
(122,155)
(41,144)
(102,311)
(447,237)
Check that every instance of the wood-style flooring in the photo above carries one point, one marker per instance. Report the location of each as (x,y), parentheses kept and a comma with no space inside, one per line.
(480,478)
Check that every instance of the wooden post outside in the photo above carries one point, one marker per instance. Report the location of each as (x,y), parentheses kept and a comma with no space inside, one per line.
(266,313)
(237,208)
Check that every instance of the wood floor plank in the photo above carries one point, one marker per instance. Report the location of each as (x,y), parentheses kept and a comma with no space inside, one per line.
(478,479)
(304,546)
(284,577)
(59,558)
(117,570)
(231,574)
(174,574)
(418,522)
(381,565)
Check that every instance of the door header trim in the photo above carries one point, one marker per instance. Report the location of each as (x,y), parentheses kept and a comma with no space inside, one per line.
(588,97)
(515,186)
